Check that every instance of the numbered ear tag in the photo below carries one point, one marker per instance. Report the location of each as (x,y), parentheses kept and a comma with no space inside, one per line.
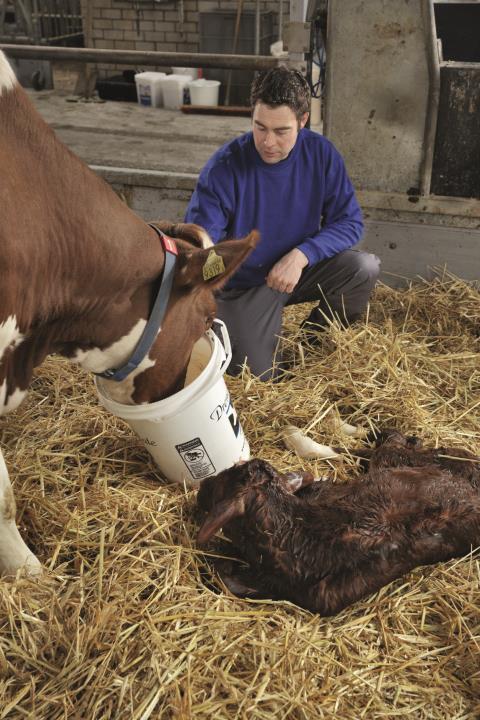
(214,265)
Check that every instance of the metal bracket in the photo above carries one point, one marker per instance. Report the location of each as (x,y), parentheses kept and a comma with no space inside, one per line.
(296,37)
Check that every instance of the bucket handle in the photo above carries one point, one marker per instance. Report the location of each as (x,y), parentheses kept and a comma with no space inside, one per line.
(225,340)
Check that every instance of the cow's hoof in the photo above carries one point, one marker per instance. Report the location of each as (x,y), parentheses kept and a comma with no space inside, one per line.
(30,567)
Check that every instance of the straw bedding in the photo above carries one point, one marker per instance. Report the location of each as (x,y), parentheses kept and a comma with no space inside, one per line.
(124,623)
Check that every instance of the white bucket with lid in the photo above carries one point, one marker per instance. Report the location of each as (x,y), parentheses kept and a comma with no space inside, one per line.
(195,432)
(149,88)
(192,73)
(204,92)
(172,88)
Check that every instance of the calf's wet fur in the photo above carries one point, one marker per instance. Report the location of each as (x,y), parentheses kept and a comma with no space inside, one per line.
(323,545)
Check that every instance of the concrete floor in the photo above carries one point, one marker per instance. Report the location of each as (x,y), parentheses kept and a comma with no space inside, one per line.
(127,135)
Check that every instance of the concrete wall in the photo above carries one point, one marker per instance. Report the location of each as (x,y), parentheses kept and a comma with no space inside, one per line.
(411,242)
(377,90)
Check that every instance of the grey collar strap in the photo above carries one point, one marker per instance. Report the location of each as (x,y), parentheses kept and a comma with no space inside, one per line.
(153,326)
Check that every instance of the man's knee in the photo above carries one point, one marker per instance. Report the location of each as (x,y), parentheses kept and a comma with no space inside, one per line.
(364,266)
(368,265)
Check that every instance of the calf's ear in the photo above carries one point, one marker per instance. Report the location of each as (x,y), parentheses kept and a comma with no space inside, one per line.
(211,267)
(294,481)
(220,515)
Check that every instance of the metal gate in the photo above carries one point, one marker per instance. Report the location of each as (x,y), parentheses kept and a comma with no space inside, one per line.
(47,22)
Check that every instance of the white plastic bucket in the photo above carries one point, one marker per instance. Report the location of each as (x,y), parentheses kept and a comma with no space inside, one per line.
(192,73)
(195,432)
(149,88)
(204,92)
(172,88)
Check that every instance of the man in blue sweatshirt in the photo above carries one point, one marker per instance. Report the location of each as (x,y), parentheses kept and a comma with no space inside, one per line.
(290,184)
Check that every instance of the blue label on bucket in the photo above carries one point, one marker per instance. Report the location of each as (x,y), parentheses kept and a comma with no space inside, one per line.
(195,457)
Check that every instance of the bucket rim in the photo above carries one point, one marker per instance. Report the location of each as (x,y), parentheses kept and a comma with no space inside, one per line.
(178,399)
(204,83)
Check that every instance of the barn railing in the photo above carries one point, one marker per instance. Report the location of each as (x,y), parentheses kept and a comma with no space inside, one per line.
(140,58)
(41,21)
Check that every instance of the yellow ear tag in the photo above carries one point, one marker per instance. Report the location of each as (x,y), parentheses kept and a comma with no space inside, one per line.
(214,266)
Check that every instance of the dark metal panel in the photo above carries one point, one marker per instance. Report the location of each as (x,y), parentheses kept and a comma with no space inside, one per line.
(456,162)
(41,21)
(458,27)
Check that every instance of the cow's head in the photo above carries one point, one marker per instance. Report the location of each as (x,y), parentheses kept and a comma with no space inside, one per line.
(190,313)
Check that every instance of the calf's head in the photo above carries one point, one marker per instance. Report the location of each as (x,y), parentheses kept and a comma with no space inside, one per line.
(228,495)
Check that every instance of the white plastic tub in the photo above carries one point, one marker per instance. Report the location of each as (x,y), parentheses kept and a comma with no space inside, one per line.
(192,73)
(195,432)
(149,88)
(172,88)
(204,92)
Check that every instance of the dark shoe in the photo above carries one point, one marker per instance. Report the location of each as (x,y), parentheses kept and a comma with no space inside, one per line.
(310,334)
(323,318)
(312,326)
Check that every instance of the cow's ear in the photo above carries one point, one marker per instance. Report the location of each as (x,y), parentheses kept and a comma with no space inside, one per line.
(191,233)
(213,266)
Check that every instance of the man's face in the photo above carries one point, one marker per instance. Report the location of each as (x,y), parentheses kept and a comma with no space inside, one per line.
(275,131)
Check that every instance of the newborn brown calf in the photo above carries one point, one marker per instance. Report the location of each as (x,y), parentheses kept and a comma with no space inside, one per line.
(396,450)
(325,545)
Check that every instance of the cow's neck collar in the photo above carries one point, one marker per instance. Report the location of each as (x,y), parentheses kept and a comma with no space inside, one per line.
(154,322)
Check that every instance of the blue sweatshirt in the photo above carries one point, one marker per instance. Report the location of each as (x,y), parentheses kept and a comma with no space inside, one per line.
(305,201)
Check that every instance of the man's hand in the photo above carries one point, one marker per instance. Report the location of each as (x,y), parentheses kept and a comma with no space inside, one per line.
(285,274)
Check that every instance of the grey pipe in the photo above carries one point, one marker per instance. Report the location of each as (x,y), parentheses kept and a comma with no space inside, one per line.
(140,58)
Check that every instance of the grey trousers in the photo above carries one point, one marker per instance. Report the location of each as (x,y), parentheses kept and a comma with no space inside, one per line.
(341,285)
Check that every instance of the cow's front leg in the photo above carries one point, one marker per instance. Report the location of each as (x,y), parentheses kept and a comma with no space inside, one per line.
(14,554)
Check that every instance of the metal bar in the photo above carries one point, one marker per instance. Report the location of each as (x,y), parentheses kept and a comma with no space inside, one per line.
(18,39)
(70,22)
(328,109)
(3,11)
(68,19)
(298,12)
(257,27)
(433,100)
(36,24)
(27,16)
(140,58)
(50,20)
(59,15)
(57,21)
(68,36)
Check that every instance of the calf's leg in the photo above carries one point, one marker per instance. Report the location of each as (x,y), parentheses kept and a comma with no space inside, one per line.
(14,553)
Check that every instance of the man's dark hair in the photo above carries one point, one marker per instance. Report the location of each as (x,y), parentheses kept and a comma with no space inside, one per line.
(281,86)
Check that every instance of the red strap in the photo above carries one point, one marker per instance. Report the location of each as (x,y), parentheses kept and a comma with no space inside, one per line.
(169,244)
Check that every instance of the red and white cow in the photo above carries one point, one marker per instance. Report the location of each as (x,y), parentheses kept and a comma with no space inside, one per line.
(79,276)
